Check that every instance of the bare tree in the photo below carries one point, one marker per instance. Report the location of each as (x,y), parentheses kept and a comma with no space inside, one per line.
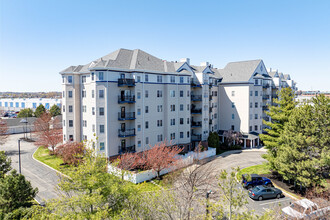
(47,131)
(231,137)
(3,131)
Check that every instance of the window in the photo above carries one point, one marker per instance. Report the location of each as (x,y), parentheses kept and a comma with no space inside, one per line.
(83,93)
(139,127)
(93,128)
(101,128)
(63,94)
(181,93)
(70,137)
(63,79)
(250,116)
(188,121)
(93,76)
(215,93)
(159,108)
(251,93)
(146,78)
(256,105)
(172,107)
(84,108)
(187,134)
(233,104)
(181,121)
(159,93)
(181,107)
(172,79)
(260,127)
(159,79)
(146,93)
(159,123)
(188,93)
(93,110)
(101,93)
(250,128)
(181,134)
(232,116)
(22,105)
(172,136)
(93,93)
(101,76)
(256,93)
(85,137)
(71,123)
(188,108)
(250,104)
(233,128)
(256,116)
(139,95)
(139,111)
(256,127)
(70,108)
(147,140)
(101,111)
(70,94)
(70,79)
(159,137)
(64,139)
(172,93)
(83,79)
(255,82)
(232,93)
(147,124)
(172,121)
(147,109)
(215,115)
(101,146)
(181,79)
(84,123)
(139,143)
(138,79)
(63,108)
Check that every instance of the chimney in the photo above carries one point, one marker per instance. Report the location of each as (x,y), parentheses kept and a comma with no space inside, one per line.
(204,63)
(187,60)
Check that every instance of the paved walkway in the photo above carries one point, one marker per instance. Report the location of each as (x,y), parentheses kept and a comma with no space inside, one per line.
(40,176)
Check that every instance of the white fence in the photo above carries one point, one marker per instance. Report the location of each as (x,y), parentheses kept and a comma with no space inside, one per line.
(140,177)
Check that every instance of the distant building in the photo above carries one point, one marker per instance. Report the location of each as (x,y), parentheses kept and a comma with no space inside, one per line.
(16,104)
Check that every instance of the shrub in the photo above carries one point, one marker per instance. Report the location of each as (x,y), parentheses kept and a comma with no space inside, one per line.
(71,152)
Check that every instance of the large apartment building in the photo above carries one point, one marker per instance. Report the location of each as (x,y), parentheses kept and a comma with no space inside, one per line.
(131,100)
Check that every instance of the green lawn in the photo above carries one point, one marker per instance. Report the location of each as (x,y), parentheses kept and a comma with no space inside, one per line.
(42,154)
(257,169)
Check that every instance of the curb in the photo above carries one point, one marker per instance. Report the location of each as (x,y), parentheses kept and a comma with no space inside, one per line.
(49,166)
(285,193)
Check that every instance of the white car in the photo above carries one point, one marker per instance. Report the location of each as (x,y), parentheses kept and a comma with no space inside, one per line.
(304,208)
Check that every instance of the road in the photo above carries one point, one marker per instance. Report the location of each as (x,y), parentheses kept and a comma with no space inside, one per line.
(40,176)
(246,158)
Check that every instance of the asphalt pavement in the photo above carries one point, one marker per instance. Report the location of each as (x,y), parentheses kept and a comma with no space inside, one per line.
(42,177)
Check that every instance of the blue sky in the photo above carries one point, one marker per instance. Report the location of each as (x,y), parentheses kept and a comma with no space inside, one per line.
(39,38)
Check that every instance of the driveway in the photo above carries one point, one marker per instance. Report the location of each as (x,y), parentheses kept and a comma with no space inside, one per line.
(246,158)
(40,176)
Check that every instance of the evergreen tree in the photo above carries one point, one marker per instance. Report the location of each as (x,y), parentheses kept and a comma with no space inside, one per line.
(40,110)
(279,114)
(15,192)
(5,163)
(304,152)
(55,110)
(27,112)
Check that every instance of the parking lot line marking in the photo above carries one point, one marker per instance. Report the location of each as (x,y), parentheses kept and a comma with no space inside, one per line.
(276,201)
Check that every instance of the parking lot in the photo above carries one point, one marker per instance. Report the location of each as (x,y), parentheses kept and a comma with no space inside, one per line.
(267,204)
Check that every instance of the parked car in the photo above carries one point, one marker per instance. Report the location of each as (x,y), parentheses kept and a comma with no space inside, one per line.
(264,192)
(255,180)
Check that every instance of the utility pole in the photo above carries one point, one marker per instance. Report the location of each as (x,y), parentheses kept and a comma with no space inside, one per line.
(19,156)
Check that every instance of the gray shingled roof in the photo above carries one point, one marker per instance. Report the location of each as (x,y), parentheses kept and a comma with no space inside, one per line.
(286,76)
(239,71)
(272,74)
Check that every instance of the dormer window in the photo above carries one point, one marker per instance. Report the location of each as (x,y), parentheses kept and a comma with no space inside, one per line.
(70,79)
(101,76)
(256,82)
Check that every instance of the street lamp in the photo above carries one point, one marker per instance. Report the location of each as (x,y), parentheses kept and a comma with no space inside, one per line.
(207,202)
(19,156)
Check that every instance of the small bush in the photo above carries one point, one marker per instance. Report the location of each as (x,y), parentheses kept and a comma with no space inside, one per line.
(71,152)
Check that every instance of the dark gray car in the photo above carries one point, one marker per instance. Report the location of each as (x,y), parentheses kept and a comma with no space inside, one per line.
(263,192)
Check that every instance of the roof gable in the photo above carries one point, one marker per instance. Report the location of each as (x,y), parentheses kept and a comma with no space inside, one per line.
(186,67)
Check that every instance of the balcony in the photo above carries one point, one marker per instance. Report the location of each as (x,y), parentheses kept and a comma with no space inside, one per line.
(122,116)
(266,86)
(195,84)
(126,133)
(196,111)
(196,124)
(210,121)
(265,97)
(130,149)
(126,99)
(196,137)
(196,97)
(126,82)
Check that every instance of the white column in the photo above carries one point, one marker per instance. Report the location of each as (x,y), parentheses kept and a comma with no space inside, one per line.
(244,143)
(251,143)
(258,142)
